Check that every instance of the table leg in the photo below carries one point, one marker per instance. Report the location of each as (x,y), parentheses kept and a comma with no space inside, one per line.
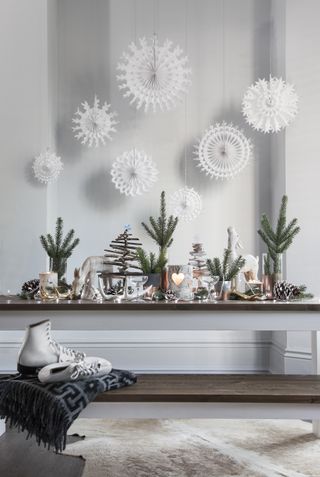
(315,352)
(2,427)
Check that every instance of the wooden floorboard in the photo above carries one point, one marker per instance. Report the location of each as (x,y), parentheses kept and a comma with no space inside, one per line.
(24,458)
(218,388)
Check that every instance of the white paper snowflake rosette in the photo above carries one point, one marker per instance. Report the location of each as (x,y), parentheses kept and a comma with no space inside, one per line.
(94,124)
(134,173)
(186,203)
(223,151)
(154,76)
(270,106)
(47,167)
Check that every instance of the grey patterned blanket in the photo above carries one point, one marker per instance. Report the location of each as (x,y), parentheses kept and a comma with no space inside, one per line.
(48,410)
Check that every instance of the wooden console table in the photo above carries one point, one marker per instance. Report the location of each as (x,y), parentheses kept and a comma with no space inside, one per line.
(16,314)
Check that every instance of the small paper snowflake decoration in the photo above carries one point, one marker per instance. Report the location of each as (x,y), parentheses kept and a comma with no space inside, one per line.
(186,203)
(223,151)
(270,106)
(47,167)
(94,124)
(134,173)
(154,76)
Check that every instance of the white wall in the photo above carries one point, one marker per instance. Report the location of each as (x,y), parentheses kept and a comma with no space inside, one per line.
(23,126)
(91,38)
(54,66)
(296,167)
(302,141)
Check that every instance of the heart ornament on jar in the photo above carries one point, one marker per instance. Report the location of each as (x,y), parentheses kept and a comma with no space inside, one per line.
(177,278)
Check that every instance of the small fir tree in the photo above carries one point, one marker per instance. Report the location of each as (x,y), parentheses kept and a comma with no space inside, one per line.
(267,264)
(280,239)
(59,249)
(225,269)
(149,263)
(161,229)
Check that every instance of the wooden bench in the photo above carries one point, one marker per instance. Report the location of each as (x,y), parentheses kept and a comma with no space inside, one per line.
(212,396)
(218,396)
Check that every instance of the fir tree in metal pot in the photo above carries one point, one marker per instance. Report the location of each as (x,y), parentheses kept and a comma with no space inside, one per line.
(277,240)
(226,270)
(151,265)
(161,230)
(59,249)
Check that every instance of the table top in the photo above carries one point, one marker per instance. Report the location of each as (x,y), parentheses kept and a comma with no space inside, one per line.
(14,303)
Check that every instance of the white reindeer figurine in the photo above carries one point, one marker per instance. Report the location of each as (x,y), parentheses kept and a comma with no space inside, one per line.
(83,285)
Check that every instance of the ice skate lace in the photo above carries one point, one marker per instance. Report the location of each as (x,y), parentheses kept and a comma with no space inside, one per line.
(64,353)
(83,370)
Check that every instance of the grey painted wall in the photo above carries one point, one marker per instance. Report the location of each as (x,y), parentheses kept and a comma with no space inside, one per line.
(91,38)
(24,129)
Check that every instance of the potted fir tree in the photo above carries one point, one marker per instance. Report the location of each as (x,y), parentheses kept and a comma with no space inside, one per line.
(59,249)
(226,270)
(161,231)
(278,241)
(151,266)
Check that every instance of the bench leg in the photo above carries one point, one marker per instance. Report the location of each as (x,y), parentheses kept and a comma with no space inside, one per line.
(315,351)
(2,427)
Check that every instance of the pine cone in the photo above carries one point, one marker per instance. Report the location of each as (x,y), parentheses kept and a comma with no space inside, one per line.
(170,295)
(285,291)
(30,288)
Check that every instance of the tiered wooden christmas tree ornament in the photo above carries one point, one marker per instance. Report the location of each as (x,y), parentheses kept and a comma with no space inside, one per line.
(198,261)
(123,255)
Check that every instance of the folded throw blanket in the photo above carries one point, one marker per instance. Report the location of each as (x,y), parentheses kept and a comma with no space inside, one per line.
(48,410)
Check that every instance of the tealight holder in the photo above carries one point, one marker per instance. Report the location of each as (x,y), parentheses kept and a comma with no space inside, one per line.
(181,281)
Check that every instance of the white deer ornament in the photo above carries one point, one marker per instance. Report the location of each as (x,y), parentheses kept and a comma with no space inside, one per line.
(83,285)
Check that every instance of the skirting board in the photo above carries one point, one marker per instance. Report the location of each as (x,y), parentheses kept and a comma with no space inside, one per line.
(174,351)
(289,361)
(164,351)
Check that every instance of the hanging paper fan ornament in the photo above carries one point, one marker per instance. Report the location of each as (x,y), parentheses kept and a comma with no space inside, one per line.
(154,76)
(47,167)
(270,106)
(94,124)
(186,203)
(134,173)
(223,151)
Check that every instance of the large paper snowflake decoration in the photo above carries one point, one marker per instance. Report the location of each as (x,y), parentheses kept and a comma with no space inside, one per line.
(154,76)
(270,106)
(134,173)
(186,203)
(223,151)
(94,124)
(47,167)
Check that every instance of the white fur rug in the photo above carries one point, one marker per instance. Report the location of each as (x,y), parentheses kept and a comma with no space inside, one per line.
(197,448)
